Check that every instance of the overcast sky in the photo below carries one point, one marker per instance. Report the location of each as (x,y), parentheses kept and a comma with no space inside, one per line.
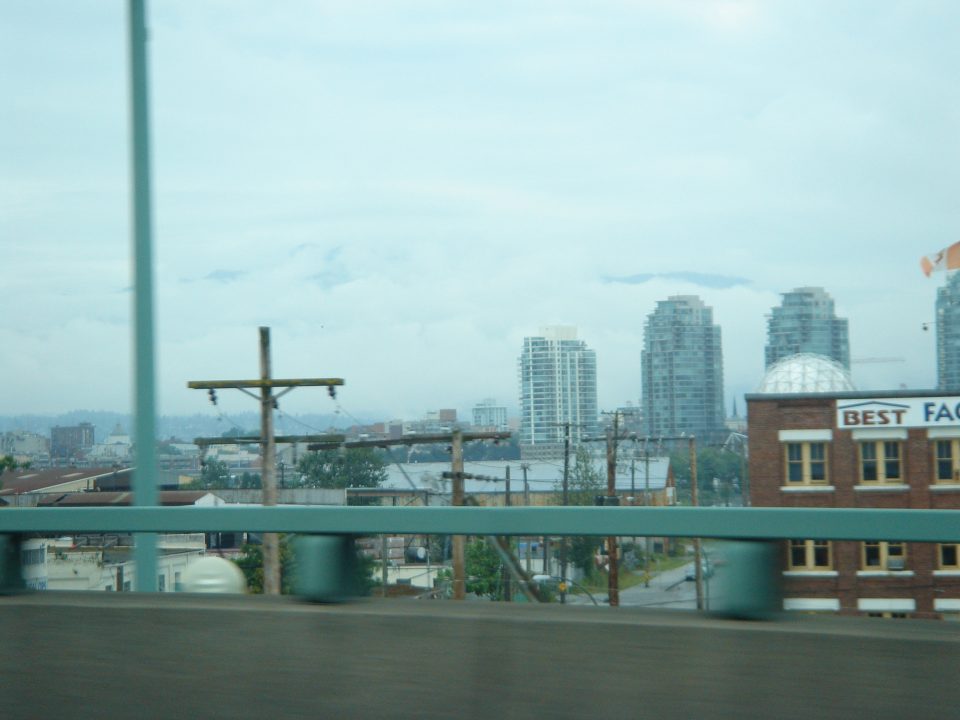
(403,190)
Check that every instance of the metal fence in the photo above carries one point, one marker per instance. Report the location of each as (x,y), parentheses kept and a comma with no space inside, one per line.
(722,523)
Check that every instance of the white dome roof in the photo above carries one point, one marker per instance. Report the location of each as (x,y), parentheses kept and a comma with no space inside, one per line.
(805,373)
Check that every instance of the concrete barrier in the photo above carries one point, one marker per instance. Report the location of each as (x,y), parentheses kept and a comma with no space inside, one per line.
(120,655)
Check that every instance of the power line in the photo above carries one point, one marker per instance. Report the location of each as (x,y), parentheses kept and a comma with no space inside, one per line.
(341,408)
(288,416)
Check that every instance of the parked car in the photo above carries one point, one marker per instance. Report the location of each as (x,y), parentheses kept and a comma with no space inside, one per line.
(706,569)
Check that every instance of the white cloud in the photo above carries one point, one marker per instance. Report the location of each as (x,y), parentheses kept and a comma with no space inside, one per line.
(403,191)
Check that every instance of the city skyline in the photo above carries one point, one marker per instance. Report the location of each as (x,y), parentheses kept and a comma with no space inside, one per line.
(402,193)
(514,409)
(945,295)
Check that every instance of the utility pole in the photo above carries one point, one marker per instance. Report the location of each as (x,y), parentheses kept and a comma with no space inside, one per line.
(566,501)
(526,501)
(268,470)
(695,499)
(506,497)
(646,501)
(456,439)
(459,561)
(268,402)
(384,557)
(613,584)
(507,590)
(633,501)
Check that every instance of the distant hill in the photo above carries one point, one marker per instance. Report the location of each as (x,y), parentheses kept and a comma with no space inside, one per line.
(182,427)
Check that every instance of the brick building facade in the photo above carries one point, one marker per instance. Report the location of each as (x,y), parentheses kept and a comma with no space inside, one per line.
(71,441)
(861,450)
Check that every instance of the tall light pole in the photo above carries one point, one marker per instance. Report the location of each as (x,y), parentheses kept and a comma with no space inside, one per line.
(145,473)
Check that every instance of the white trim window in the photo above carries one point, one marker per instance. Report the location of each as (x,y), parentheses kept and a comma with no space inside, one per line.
(810,556)
(946,461)
(806,463)
(948,556)
(881,462)
(883,556)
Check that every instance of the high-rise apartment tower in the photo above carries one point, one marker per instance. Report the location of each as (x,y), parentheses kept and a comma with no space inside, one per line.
(488,414)
(805,322)
(948,334)
(558,384)
(682,365)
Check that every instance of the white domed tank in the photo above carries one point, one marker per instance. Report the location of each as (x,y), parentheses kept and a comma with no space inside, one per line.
(213,575)
(805,373)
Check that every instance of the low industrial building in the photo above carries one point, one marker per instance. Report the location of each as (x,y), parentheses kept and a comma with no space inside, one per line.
(26,488)
(104,562)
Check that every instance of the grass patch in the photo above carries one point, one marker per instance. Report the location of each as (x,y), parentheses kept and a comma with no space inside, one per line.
(628,579)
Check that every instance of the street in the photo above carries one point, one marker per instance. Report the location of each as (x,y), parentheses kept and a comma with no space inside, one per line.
(669,590)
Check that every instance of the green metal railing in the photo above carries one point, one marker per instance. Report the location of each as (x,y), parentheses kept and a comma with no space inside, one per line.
(721,523)
(322,543)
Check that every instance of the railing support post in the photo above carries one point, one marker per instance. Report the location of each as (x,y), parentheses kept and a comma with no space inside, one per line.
(11,577)
(325,568)
(748,587)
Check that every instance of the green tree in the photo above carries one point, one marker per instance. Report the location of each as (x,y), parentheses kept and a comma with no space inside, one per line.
(363,572)
(586,481)
(712,462)
(250,481)
(8,462)
(351,468)
(508,449)
(250,561)
(236,432)
(214,474)
(483,569)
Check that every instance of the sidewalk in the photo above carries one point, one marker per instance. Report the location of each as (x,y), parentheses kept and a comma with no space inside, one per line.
(668,590)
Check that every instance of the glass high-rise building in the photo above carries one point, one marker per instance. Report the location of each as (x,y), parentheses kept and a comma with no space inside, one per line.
(806,322)
(682,364)
(948,334)
(558,384)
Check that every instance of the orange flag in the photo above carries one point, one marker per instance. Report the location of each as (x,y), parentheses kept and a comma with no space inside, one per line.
(946,259)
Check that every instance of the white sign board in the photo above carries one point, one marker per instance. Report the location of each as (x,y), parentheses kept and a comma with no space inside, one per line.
(899,412)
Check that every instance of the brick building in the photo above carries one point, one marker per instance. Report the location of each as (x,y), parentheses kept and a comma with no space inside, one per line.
(894,449)
(70,442)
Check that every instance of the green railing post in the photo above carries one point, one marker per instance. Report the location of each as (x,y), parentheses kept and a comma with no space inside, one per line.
(144,476)
(11,578)
(748,587)
(324,567)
